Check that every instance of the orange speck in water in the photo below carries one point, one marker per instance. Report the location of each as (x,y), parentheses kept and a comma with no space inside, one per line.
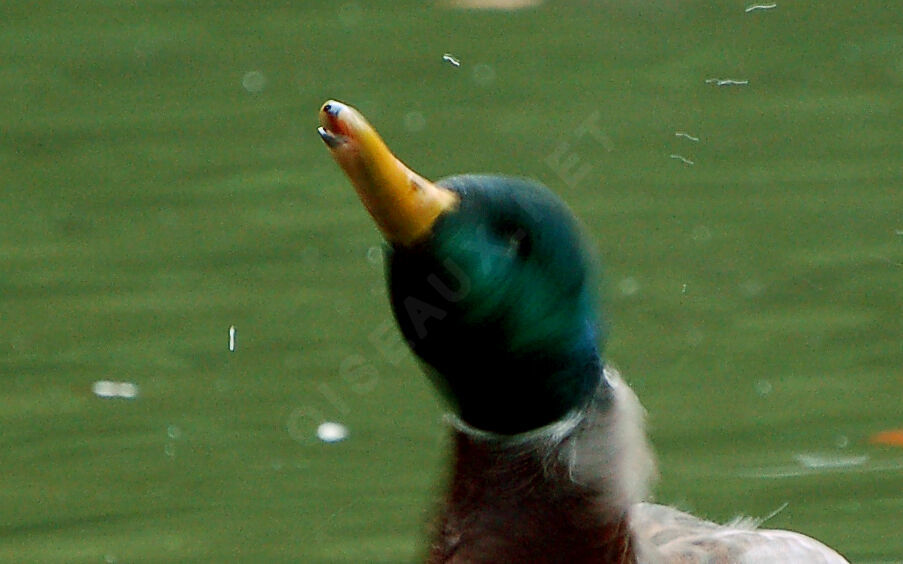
(893,437)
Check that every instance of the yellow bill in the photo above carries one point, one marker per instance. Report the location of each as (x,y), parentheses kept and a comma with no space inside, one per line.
(404,204)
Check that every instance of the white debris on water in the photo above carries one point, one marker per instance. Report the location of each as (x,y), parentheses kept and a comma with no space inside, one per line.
(726,82)
(450,59)
(701,233)
(842,441)
(173,434)
(818,461)
(254,82)
(756,7)
(773,513)
(375,255)
(752,288)
(852,464)
(686,135)
(332,432)
(107,389)
(501,5)
(763,387)
(629,286)
(232,338)
(414,121)
(682,159)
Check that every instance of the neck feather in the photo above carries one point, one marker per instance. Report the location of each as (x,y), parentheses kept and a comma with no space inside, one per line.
(558,493)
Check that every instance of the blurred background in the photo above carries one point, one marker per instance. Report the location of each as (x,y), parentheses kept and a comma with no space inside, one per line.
(738,169)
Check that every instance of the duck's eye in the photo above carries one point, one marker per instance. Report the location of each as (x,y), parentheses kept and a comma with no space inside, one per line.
(518,243)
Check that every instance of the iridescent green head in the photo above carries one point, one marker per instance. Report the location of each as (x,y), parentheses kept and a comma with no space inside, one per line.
(492,290)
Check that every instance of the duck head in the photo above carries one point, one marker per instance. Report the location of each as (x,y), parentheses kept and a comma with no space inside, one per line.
(488,279)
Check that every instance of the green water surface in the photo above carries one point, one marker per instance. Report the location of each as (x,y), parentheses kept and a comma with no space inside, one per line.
(161,180)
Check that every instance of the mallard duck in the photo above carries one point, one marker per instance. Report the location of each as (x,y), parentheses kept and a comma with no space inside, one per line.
(491,285)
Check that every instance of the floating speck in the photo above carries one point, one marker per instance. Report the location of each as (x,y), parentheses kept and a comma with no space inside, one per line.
(173,432)
(107,389)
(506,5)
(763,387)
(899,232)
(842,441)
(684,160)
(629,286)
(483,74)
(686,135)
(232,338)
(375,255)
(752,288)
(701,233)
(684,289)
(726,82)
(254,82)
(170,450)
(332,432)
(818,461)
(128,390)
(414,121)
(771,515)
(808,465)
(450,59)
(756,7)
